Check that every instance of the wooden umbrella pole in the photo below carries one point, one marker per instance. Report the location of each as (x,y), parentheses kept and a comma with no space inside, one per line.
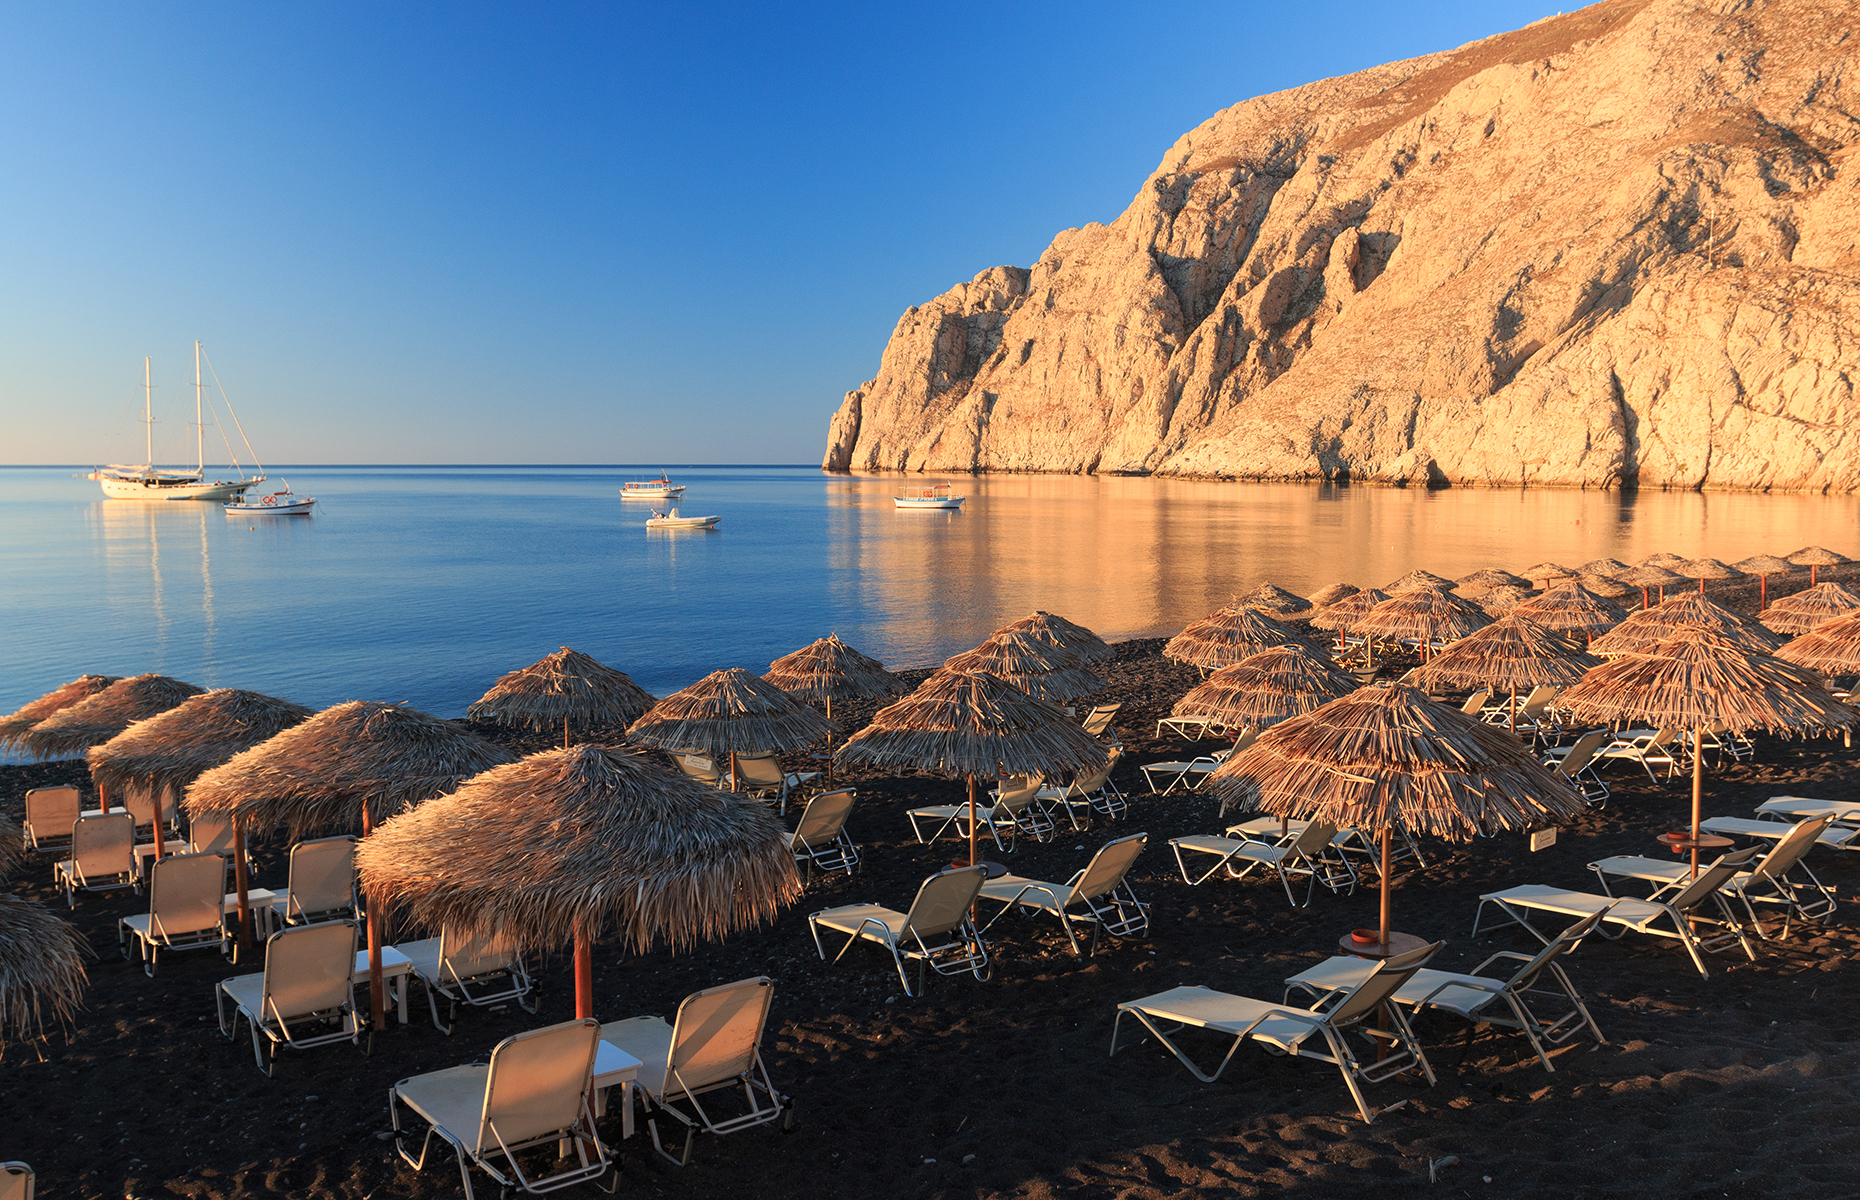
(1698,789)
(736,783)
(971,820)
(160,837)
(564,731)
(377,998)
(829,743)
(584,971)
(243,945)
(1763,592)
(1385,889)
(103,796)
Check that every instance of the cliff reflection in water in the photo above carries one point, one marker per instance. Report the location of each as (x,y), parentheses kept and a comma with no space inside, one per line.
(1137,557)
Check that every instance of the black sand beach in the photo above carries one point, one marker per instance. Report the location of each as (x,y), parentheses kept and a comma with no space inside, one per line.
(1743,1084)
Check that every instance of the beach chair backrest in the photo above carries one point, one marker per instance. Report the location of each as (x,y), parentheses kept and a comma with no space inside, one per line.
(322,875)
(824,817)
(1475,702)
(138,801)
(467,953)
(758,771)
(186,894)
(1247,737)
(943,901)
(211,835)
(1097,779)
(16,1178)
(1539,699)
(309,968)
(699,766)
(1108,867)
(717,1031)
(1560,945)
(1018,792)
(1713,877)
(1099,719)
(1790,848)
(536,1083)
(1315,837)
(1382,983)
(1581,754)
(104,844)
(52,810)
(1660,738)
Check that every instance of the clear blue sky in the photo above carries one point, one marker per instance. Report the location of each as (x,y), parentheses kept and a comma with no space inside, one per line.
(564,232)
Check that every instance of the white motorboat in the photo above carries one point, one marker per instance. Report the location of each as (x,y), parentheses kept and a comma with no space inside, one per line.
(149,482)
(281,503)
(671,520)
(937,496)
(661,488)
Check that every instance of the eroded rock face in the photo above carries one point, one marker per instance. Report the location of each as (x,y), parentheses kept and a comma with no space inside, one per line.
(1617,246)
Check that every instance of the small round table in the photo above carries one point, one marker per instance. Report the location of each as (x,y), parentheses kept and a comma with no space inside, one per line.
(1704,841)
(1399,943)
(990,870)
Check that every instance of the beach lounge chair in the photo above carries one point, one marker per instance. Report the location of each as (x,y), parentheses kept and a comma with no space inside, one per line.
(1358,847)
(1321,1031)
(1306,853)
(50,814)
(185,909)
(1475,703)
(1771,881)
(1099,895)
(1478,998)
(1576,763)
(1790,809)
(322,882)
(1016,810)
(937,931)
(713,1043)
(1194,728)
(1647,747)
(1090,793)
(820,839)
(701,767)
(467,969)
(17,1181)
(1097,722)
(211,835)
(308,985)
(534,1091)
(762,775)
(102,856)
(1682,912)
(1835,837)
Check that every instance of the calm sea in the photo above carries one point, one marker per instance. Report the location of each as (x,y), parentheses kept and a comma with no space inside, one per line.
(425,584)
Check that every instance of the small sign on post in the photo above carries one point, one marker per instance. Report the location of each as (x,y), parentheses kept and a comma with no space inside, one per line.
(1542,839)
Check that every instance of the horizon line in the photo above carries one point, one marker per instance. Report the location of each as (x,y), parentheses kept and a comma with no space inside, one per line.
(655,466)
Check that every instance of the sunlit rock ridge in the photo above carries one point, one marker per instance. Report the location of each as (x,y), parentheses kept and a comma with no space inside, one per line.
(1617,247)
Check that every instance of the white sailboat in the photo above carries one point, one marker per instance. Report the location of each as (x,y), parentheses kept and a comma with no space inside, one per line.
(148,482)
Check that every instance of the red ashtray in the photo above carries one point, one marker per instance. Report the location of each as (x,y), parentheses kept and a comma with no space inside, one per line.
(1365,937)
(1680,835)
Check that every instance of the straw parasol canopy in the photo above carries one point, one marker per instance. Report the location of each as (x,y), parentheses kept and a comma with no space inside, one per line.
(12,846)
(1491,577)
(1702,569)
(1274,600)
(1345,613)
(1510,655)
(1336,592)
(1424,614)
(1807,609)
(1501,600)
(1763,566)
(1604,585)
(1571,606)
(1545,573)
(173,748)
(1226,637)
(1650,575)
(580,843)
(567,688)
(1269,687)
(1682,616)
(831,670)
(1608,568)
(41,968)
(15,724)
(70,731)
(1831,649)
(1815,558)
(1068,635)
(1418,579)
(1383,758)
(730,712)
(1663,559)
(1039,669)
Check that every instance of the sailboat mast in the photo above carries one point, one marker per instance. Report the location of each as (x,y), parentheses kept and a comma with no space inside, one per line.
(148,413)
(200,431)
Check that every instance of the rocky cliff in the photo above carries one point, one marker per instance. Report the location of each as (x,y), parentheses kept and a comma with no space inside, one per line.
(1620,246)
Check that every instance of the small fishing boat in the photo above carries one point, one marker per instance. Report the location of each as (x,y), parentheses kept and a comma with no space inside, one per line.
(281,503)
(661,488)
(671,520)
(937,496)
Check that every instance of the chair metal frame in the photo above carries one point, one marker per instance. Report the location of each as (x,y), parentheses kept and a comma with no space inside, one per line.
(520,987)
(1110,903)
(1308,852)
(821,842)
(51,828)
(70,873)
(1576,762)
(156,937)
(962,948)
(275,1025)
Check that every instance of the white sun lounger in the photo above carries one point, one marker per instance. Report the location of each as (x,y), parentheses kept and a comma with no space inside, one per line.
(1790,809)
(820,839)
(308,981)
(1648,747)
(1351,843)
(1770,881)
(1835,837)
(1194,728)
(937,931)
(103,856)
(1015,810)
(1321,1031)
(50,814)
(1099,895)
(713,1044)
(185,909)
(1092,792)
(322,882)
(479,971)
(534,1091)
(1308,853)
(1576,763)
(17,1182)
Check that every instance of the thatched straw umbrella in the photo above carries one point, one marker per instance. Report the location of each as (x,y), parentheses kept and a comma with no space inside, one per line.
(14,725)
(1486,580)
(1663,559)
(1685,613)
(1383,757)
(1501,600)
(1763,566)
(41,968)
(1546,573)
(1831,649)
(1650,576)
(1269,687)
(1609,568)
(1814,558)
(1425,614)
(1698,680)
(170,750)
(830,670)
(1604,585)
(1067,635)
(1702,569)
(1808,608)
(1273,600)
(359,762)
(1346,612)
(12,846)
(1042,671)
(1418,579)
(1570,606)
(970,725)
(1226,637)
(576,844)
(71,731)
(1335,593)
(730,712)
(566,688)
(1513,654)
